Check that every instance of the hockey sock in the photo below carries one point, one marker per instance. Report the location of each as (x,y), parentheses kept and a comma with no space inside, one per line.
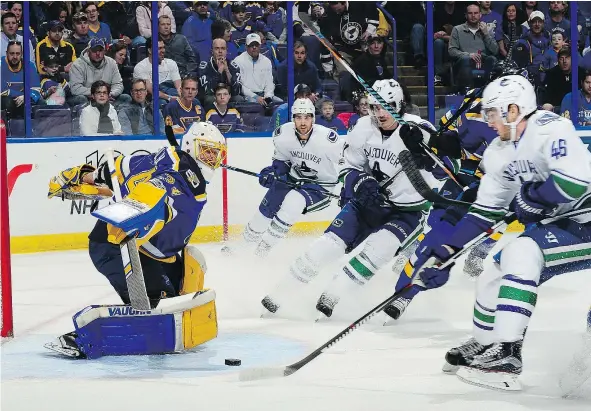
(277,231)
(255,228)
(516,303)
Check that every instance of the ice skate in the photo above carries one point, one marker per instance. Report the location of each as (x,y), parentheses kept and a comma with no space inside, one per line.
(270,306)
(396,308)
(326,304)
(462,355)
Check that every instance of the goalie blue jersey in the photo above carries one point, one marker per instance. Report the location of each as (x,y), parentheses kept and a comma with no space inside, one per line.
(180,176)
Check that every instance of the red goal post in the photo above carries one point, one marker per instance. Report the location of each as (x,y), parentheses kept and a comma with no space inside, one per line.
(5,274)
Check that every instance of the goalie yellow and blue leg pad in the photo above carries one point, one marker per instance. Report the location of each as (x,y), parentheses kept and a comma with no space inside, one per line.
(178,324)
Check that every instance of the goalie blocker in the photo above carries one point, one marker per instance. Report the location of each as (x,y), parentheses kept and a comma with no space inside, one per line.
(178,324)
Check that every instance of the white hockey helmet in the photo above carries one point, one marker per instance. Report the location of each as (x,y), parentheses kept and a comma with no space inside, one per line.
(390,91)
(205,144)
(507,90)
(303,106)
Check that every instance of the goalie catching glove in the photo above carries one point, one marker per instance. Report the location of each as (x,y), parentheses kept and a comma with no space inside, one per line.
(69,185)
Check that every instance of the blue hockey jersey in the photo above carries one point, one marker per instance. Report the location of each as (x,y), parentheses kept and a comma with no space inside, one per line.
(182,117)
(227,122)
(179,174)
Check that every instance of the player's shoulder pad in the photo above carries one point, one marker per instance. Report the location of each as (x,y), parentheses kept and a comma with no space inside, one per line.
(331,135)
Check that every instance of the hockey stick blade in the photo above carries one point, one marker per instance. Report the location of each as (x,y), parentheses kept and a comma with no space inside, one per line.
(420,185)
(170,136)
(255,374)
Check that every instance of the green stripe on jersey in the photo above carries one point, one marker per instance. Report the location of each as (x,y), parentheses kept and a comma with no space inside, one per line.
(572,189)
(516,294)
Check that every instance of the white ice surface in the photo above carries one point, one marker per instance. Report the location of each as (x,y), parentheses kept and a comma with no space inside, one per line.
(374,368)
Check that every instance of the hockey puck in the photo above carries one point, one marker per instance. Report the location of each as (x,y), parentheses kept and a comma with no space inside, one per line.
(233,362)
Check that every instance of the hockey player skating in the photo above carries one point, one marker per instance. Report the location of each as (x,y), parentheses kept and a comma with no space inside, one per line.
(388,217)
(304,171)
(169,187)
(547,175)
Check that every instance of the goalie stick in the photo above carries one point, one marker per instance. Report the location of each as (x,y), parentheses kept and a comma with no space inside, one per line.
(285,371)
(132,267)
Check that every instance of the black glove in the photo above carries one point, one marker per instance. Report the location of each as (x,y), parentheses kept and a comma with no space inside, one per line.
(412,138)
(447,144)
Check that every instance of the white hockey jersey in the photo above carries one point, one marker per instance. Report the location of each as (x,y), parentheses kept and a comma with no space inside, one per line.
(549,148)
(367,150)
(316,159)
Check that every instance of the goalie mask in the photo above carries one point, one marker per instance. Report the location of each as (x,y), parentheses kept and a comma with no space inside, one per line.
(205,144)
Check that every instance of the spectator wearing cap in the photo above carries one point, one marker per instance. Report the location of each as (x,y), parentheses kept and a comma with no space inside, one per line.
(530,49)
(168,74)
(79,38)
(143,14)
(241,27)
(12,81)
(9,27)
(256,74)
(226,119)
(304,72)
(472,46)
(222,29)
(177,48)
(327,117)
(137,116)
(557,21)
(92,66)
(54,48)
(219,69)
(371,66)
(95,27)
(55,89)
(99,118)
(197,29)
(281,114)
(584,101)
(558,81)
(528,8)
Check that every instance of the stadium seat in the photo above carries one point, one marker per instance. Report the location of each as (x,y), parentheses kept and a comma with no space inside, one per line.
(16,127)
(52,121)
(330,88)
(137,54)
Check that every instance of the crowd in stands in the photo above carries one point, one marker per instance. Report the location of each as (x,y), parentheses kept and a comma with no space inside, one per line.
(226,62)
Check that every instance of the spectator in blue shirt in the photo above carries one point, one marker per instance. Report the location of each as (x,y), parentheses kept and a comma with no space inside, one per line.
(95,27)
(557,21)
(304,72)
(493,20)
(327,117)
(584,101)
(197,29)
(12,77)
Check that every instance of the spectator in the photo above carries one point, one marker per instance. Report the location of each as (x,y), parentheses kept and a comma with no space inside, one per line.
(118,52)
(530,49)
(99,118)
(169,87)
(115,15)
(512,30)
(226,119)
(281,114)
(143,14)
(55,89)
(256,74)
(584,102)
(551,55)
(93,65)
(269,50)
(186,110)
(177,48)
(362,21)
(137,116)
(9,26)
(219,70)
(411,26)
(557,20)
(446,16)
(371,65)
(62,15)
(197,29)
(79,38)
(472,46)
(493,20)
(361,104)
(181,12)
(16,7)
(54,48)
(305,72)
(327,117)
(222,29)
(275,18)
(558,80)
(95,27)
(240,27)
(12,80)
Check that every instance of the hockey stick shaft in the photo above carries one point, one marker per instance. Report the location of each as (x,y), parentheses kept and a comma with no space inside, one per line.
(132,267)
(254,374)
